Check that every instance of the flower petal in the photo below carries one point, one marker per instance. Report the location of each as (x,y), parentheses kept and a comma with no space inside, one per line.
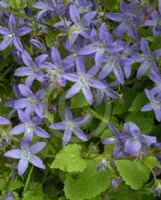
(79,133)
(37,147)
(37,162)
(22,166)
(15,153)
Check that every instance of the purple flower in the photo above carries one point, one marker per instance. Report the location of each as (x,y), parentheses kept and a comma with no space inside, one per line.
(156,78)
(130,142)
(28,127)
(147,58)
(33,70)
(37,44)
(115,62)
(56,68)
(26,154)
(115,182)
(154,20)
(107,92)
(83,81)
(104,42)
(31,102)
(128,21)
(70,125)
(117,140)
(155,104)
(12,35)
(77,26)
(4,121)
(135,141)
(8,196)
(45,7)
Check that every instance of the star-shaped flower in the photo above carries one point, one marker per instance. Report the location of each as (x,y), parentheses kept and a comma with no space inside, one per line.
(27,155)
(70,125)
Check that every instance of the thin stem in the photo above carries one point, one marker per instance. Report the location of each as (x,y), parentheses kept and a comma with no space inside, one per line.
(26,17)
(96,115)
(28,179)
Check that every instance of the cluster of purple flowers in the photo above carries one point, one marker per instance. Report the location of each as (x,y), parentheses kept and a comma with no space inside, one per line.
(96,63)
(130,142)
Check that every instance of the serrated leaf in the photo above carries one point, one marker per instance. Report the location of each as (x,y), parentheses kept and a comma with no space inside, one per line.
(88,184)
(139,101)
(69,159)
(134,173)
(78,101)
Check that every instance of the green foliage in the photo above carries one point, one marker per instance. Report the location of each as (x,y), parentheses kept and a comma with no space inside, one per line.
(145,122)
(134,173)
(36,193)
(16,4)
(139,101)
(124,104)
(126,193)
(88,184)
(78,101)
(69,159)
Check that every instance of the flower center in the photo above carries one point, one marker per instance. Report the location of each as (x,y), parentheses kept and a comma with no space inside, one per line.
(83,81)
(26,154)
(70,125)
(156,104)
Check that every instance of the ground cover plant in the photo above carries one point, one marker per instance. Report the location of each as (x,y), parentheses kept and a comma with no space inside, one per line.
(80,99)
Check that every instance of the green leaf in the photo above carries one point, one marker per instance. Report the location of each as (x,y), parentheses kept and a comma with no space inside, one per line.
(126,193)
(50,38)
(69,159)
(127,98)
(139,101)
(89,183)
(144,121)
(134,173)
(16,4)
(16,184)
(36,193)
(78,101)
(2,183)
(151,162)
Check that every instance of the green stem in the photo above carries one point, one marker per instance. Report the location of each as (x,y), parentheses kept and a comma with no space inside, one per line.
(28,179)
(26,17)
(96,115)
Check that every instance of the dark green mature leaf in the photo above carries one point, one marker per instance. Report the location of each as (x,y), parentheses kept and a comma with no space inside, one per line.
(127,98)
(16,184)
(69,159)
(144,121)
(139,101)
(78,101)
(36,193)
(89,183)
(134,173)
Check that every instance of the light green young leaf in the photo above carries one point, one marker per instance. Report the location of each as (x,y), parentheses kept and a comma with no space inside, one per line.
(134,173)
(89,183)
(69,159)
